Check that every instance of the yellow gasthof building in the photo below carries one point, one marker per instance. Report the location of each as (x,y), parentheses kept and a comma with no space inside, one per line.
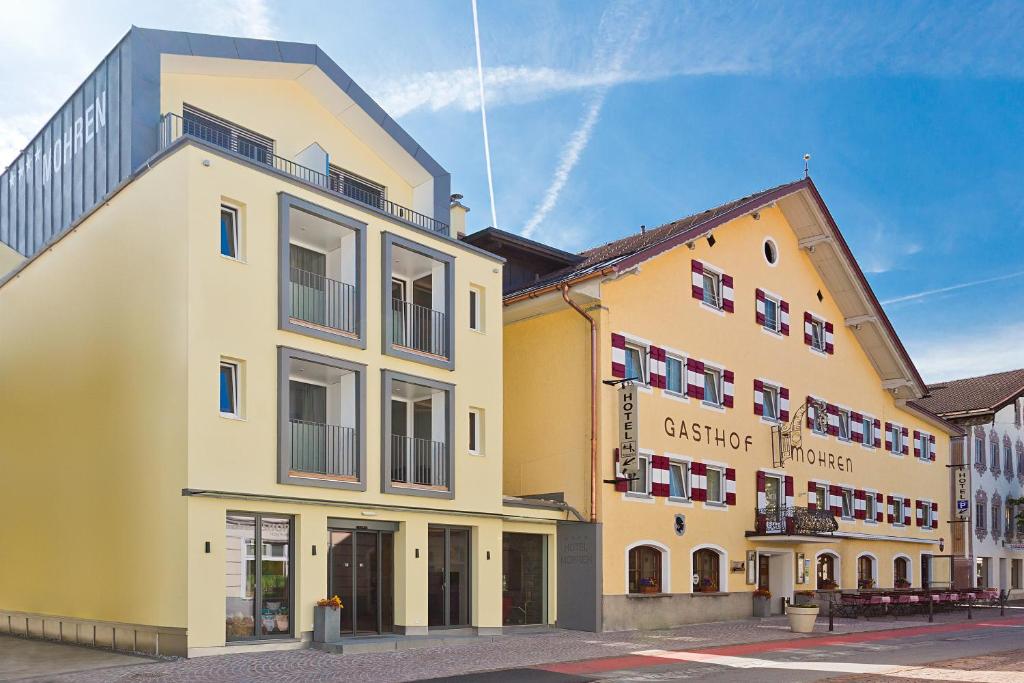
(247,364)
(773,441)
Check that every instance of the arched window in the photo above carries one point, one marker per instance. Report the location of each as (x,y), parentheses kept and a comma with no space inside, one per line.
(827,572)
(644,569)
(865,571)
(901,572)
(705,570)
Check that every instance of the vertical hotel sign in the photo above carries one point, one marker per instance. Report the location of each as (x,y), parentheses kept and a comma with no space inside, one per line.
(629,428)
(962,486)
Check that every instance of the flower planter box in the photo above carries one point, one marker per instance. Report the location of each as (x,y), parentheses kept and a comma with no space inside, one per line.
(326,625)
(802,617)
(762,606)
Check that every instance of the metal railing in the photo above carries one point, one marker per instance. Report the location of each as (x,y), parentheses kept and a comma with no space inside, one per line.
(419,461)
(324,449)
(419,328)
(322,301)
(173,126)
(794,520)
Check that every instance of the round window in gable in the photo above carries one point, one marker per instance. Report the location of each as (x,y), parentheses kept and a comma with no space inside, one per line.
(771,252)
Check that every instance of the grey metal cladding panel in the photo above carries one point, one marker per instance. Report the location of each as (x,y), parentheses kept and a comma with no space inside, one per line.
(124,107)
(144,114)
(212,46)
(100,186)
(392,128)
(361,98)
(333,71)
(158,40)
(298,53)
(112,133)
(89,151)
(259,50)
(579,576)
(4,237)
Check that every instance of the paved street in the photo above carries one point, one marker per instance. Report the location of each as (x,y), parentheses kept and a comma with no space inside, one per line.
(752,649)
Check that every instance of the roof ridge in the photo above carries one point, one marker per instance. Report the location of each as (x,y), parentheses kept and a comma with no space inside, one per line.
(947,382)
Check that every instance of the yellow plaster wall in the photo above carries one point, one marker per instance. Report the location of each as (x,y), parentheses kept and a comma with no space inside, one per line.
(92,415)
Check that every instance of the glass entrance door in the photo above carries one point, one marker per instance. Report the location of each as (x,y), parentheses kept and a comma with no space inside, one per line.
(448,576)
(361,573)
(763,572)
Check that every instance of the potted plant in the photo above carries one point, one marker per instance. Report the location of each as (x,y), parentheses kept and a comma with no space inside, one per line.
(865,584)
(827,585)
(902,583)
(802,612)
(647,585)
(762,602)
(327,620)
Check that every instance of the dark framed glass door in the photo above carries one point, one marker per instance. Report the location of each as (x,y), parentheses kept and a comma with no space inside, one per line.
(449,576)
(258,577)
(361,573)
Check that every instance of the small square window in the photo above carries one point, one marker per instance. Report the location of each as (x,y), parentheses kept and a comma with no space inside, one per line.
(870,506)
(926,514)
(770,402)
(848,503)
(636,367)
(712,387)
(897,440)
(476,431)
(229,228)
(771,314)
(229,389)
(844,425)
(476,313)
(715,477)
(640,483)
(679,477)
(821,496)
(712,289)
(818,335)
(674,374)
(898,510)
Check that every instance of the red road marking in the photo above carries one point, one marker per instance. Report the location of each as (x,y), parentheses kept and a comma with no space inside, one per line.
(639,661)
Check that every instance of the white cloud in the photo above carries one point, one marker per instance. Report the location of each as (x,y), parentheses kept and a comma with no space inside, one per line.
(245,18)
(979,352)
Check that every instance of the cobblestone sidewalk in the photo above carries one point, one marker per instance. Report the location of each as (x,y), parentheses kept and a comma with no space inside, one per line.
(516,650)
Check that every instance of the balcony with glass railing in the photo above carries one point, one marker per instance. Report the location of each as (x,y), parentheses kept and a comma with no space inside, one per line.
(418,449)
(322,436)
(419,316)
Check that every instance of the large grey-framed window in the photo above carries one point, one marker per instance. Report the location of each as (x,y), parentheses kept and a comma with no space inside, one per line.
(322,272)
(417,424)
(417,302)
(321,420)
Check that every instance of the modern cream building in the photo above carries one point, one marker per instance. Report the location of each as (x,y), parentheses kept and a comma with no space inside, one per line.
(770,413)
(247,365)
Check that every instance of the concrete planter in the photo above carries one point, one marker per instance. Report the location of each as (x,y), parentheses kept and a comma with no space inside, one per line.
(326,625)
(802,618)
(762,606)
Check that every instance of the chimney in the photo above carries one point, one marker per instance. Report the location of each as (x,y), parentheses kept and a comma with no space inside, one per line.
(458,215)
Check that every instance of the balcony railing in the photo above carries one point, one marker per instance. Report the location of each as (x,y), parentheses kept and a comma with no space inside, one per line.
(419,328)
(322,301)
(173,126)
(794,520)
(324,449)
(419,461)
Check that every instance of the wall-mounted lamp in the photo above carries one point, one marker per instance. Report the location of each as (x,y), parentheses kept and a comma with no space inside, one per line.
(488,554)
(207,547)
(314,550)
(417,553)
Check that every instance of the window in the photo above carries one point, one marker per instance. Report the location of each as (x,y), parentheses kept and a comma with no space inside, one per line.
(715,490)
(770,402)
(898,510)
(897,440)
(418,423)
(357,187)
(476,314)
(644,569)
(997,516)
(476,431)
(994,462)
(818,335)
(1016,566)
(1007,460)
(844,424)
(712,289)
(771,314)
(229,389)
(706,571)
(979,448)
(820,424)
(901,572)
(821,497)
(870,506)
(229,231)
(259,587)
(847,503)
(980,512)
(926,514)
(712,386)
(868,430)
(865,572)
(771,253)
(636,368)
(223,133)
(678,480)
(674,374)
(827,572)
(641,483)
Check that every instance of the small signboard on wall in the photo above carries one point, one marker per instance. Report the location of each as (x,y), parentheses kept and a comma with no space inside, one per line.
(629,428)
(751,567)
(962,485)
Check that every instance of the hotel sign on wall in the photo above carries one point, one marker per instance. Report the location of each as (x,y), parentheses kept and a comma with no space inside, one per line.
(629,428)
(962,485)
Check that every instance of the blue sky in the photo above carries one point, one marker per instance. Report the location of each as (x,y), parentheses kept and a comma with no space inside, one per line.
(605,115)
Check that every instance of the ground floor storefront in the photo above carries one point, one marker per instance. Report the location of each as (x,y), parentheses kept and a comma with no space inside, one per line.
(1001,570)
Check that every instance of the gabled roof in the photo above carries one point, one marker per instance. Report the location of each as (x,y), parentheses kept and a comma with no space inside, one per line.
(974,396)
(817,233)
(492,236)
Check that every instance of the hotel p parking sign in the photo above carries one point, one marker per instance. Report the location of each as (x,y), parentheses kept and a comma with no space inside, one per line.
(963,491)
(629,428)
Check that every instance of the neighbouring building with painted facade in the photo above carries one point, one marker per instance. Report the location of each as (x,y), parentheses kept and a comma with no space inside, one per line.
(991,410)
(771,416)
(246,363)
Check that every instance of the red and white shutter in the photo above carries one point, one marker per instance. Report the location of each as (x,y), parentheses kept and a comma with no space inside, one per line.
(618,355)
(878,507)
(728,296)
(830,347)
(730,485)
(812,496)
(833,419)
(697,270)
(621,483)
(657,371)
(784,404)
(919,511)
(892,509)
(857,427)
(906,512)
(758,397)
(789,490)
(812,409)
(759,306)
(784,318)
(659,475)
(878,434)
(931,447)
(762,499)
(859,504)
(917,445)
(695,379)
(835,502)
(935,515)
(699,481)
(728,388)
(888,436)
(808,329)
(906,444)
